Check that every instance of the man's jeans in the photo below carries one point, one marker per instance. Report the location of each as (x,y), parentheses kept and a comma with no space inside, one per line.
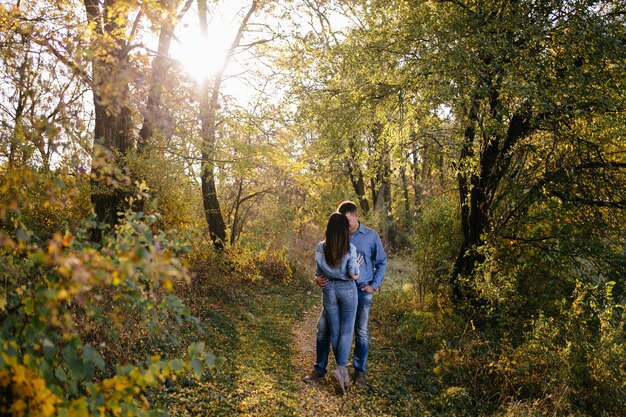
(361,349)
(340,306)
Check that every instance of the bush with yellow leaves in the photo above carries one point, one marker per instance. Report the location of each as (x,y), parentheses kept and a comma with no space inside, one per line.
(82,322)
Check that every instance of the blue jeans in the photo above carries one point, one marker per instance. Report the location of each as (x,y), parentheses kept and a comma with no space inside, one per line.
(340,307)
(361,345)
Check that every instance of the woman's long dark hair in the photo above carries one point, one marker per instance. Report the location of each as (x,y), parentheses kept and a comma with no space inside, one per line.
(337,241)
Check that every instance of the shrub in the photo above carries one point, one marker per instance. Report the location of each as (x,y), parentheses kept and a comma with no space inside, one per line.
(57,290)
(569,363)
(274,265)
(434,243)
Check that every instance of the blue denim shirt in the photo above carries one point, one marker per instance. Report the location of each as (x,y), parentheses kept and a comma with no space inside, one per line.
(368,244)
(347,267)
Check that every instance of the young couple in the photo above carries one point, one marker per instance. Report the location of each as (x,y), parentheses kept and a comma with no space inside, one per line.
(351,264)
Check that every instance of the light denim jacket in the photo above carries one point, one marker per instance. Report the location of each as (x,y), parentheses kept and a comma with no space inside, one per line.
(348,266)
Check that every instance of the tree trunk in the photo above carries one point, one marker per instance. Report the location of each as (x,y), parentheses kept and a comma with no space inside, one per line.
(377,182)
(152,114)
(154,118)
(111,94)
(405,195)
(356,178)
(235,223)
(212,211)
(381,187)
(477,190)
(387,204)
(208,117)
(416,161)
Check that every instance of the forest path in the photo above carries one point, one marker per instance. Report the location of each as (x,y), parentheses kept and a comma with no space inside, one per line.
(388,392)
(317,399)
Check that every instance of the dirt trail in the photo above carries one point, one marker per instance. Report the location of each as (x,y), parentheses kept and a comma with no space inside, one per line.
(388,392)
(317,399)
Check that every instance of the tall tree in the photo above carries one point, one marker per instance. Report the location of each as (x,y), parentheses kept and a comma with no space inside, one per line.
(511,74)
(500,117)
(113,131)
(209,105)
(153,116)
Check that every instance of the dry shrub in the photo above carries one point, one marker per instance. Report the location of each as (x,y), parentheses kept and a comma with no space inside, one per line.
(274,265)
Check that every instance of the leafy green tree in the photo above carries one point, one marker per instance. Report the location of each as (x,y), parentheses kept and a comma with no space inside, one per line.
(513,75)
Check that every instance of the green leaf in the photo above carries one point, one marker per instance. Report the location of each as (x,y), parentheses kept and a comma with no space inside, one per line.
(60,374)
(195,349)
(210,360)
(29,306)
(77,368)
(91,355)
(197,367)
(176,365)
(48,347)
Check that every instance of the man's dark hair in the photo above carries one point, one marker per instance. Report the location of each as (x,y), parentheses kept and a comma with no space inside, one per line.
(347,207)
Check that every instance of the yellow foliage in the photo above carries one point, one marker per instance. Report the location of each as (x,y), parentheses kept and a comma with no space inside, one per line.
(28,394)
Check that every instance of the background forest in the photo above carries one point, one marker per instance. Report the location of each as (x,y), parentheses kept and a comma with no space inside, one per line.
(153,152)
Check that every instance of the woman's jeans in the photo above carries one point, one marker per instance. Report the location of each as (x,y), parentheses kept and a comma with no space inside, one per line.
(361,343)
(340,301)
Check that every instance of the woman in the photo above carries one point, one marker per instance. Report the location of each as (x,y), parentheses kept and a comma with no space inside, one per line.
(336,258)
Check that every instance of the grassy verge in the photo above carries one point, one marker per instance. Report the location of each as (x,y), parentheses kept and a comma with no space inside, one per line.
(249,325)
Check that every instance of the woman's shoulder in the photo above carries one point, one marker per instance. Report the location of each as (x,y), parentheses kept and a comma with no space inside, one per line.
(320,247)
(352,249)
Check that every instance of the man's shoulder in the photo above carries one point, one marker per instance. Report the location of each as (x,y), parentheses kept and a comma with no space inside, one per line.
(367,231)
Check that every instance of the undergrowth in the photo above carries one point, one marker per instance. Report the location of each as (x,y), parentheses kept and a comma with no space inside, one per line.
(426,357)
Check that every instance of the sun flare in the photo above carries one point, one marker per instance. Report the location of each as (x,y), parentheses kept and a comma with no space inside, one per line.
(199,56)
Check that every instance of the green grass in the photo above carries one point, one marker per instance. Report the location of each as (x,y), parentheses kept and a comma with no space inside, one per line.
(251,326)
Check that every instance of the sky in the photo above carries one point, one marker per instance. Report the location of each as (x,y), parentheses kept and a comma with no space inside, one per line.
(204,56)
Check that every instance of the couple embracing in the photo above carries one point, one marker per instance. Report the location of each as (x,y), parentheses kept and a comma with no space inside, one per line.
(351,264)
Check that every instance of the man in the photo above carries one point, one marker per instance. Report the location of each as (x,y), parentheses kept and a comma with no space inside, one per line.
(373,262)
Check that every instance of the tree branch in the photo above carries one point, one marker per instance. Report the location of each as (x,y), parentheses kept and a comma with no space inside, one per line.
(133,31)
(588,202)
(258,193)
(80,72)
(184,10)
